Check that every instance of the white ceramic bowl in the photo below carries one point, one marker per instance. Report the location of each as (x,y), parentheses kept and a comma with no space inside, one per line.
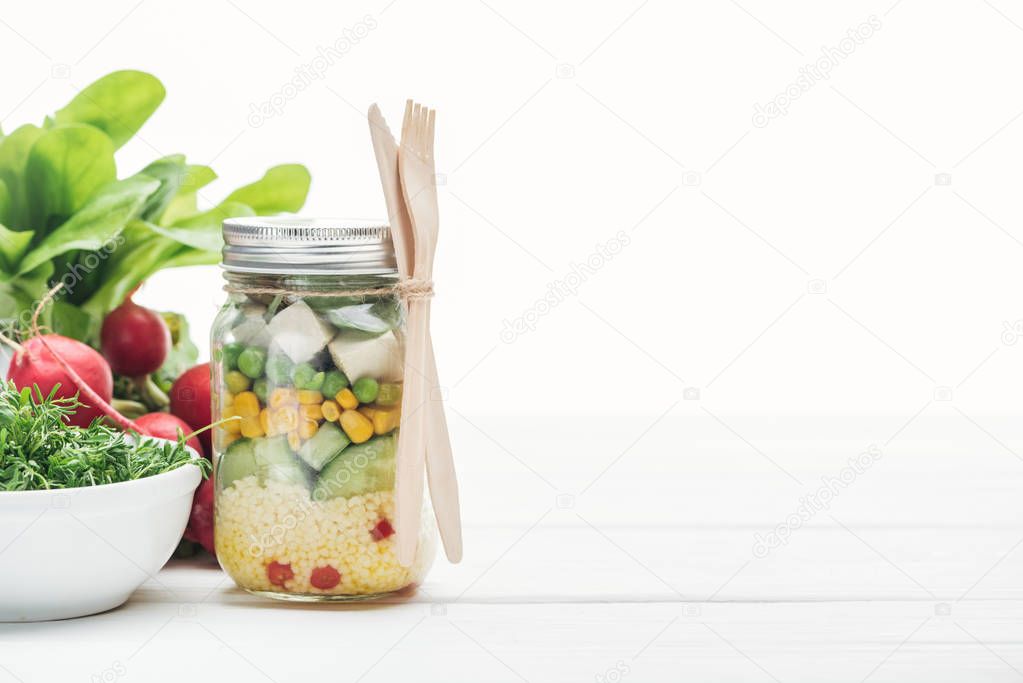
(71,552)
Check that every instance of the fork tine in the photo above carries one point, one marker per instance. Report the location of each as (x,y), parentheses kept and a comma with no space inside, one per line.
(416,116)
(431,121)
(406,124)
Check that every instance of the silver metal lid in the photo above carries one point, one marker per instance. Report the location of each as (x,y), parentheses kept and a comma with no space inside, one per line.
(308,246)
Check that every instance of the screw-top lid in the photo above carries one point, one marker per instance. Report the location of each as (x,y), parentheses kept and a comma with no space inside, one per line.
(308,246)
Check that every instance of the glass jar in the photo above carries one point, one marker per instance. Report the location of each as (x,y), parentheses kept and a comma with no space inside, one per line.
(309,359)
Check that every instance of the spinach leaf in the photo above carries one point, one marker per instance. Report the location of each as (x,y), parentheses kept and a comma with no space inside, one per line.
(141,255)
(5,202)
(185,203)
(170,171)
(12,247)
(204,231)
(14,151)
(70,320)
(65,167)
(118,104)
(97,223)
(282,188)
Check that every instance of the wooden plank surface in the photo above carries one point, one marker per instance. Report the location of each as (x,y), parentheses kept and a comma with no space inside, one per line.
(609,558)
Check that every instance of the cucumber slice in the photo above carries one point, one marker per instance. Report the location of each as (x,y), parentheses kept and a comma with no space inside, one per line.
(237,462)
(358,469)
(276,462)
(325,444)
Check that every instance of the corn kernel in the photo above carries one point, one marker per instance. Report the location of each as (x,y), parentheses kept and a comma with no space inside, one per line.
(264,421)
(250,427)
(311,412)
(308,428)
(368,411)
(347,399)
(386,420)
(308,397)
(356,425)
(284,419)
(231,426)
(283,396)
(246,404)
(294,440)
(331,411)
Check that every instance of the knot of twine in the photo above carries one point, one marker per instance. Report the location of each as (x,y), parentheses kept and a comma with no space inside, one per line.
(407,290)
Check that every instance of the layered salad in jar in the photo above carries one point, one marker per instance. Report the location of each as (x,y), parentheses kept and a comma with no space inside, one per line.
(305,469)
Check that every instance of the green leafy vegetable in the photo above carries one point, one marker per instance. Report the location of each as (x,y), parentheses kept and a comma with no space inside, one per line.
(38,450)
(117,104)
(65,217)
(283,188)
(65,167)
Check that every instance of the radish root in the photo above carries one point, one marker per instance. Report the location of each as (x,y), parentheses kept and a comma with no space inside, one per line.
(95,399)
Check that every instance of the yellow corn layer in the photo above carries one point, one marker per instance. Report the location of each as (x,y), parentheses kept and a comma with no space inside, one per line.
(311,412)
(308,428)
(251,428)
(282,396)
(246,404)
(308,397)
(331,411)
(284,419)
(231,426)
(356,425)
(347,399)
(386,419)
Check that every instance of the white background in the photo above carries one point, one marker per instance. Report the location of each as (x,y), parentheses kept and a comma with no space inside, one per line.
(714,290)
(791,294)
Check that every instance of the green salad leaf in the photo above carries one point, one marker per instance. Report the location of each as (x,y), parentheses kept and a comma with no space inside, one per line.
(66,217)
(117,104)
(66,165)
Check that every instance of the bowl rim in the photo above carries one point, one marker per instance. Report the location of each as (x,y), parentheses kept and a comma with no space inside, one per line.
(159,486)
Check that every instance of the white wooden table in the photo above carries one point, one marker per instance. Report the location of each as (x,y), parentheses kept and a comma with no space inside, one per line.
(646,572)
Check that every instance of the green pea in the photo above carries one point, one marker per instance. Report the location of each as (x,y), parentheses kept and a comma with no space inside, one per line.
(390,394)
(259,387)
(236,382)
(316,383)
(334,382)
(251,361)
(230,354)
(366,389)
(302,374)
(278,370)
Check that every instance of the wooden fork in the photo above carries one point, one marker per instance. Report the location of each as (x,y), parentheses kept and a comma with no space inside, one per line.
(416,171)
(440,467)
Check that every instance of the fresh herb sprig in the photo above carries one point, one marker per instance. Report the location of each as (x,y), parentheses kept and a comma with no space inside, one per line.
(39,450)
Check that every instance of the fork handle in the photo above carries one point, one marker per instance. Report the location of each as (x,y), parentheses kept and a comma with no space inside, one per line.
(412,436)
(440,466)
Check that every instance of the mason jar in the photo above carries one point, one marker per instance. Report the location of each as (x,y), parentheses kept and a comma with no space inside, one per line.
(308,362)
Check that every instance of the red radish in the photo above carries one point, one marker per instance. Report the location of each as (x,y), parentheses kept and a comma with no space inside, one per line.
(47,360)
(134,340)
(166,426)
(200,522)
(190,400)
(325,578)
(279,573)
